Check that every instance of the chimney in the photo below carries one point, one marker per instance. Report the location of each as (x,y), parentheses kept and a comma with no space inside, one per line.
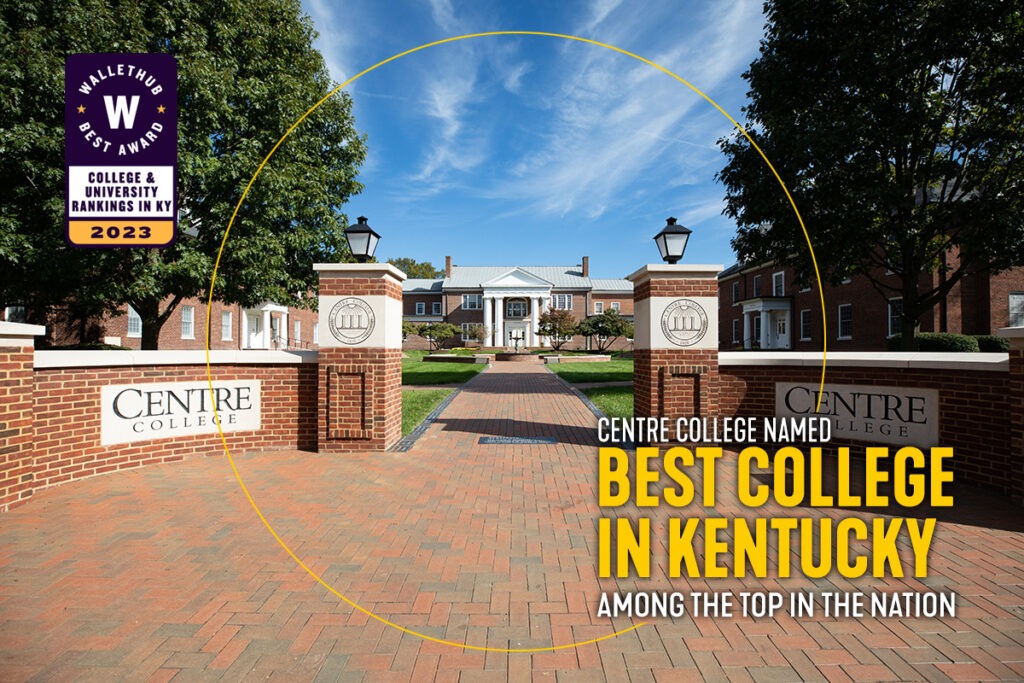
(447,266)
(586,266)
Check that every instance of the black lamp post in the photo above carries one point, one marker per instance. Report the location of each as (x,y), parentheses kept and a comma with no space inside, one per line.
(672,241)
(362,240)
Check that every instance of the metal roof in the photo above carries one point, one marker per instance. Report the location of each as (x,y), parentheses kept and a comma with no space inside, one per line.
(560,277)
(611,285)
(422,285)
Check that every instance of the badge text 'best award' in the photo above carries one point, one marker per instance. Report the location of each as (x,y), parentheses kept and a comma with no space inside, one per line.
(121,149)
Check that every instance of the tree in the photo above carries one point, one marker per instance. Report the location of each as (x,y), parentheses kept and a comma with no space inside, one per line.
(476,332)
(245,74)
(410,267)
(409,328)
(605,328)
(897,127)
(437,333)
(557,325)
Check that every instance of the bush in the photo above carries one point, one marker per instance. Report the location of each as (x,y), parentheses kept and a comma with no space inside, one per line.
(940,341)
(990,343)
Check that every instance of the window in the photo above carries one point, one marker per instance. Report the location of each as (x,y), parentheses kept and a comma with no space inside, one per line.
(561,302)
(134,323)
(846,281)
(435,308)
(1016,309)
(515,309)
(735,291)
(598,307)
(472,301)
(615,306)
(17,314)
(757,286)
(736,331)
(188,322)
(757,330)
(779,284)
(298,332)
(316,333)
(805,325)
(895,313)
(465,332)
(421,308)
(225,326)
(846,321)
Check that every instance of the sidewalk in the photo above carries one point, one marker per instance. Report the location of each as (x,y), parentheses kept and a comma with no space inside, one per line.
(167,573)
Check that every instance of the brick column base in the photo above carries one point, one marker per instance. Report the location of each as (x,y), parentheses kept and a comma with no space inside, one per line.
(360,399)
(1015,403)
(17,455)
(673,384)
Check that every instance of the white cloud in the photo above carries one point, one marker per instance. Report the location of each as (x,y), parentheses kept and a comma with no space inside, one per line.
(443,15)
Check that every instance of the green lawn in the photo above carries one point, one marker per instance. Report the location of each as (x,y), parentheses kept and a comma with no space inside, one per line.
(417,404)
(580,373)
(614,401)
(417,372)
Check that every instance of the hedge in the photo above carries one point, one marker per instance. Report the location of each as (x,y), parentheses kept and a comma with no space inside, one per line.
(990,343)
(941,341)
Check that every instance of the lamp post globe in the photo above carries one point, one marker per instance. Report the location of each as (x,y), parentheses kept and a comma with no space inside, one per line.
(362,240)
(672,240)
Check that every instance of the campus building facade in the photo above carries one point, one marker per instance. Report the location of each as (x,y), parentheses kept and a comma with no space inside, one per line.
(508,301)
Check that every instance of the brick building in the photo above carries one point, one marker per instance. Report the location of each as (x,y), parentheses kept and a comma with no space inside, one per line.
(269,326)
(508,300)
(762,307)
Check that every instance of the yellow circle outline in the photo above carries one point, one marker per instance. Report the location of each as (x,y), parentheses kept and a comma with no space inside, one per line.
(216,265)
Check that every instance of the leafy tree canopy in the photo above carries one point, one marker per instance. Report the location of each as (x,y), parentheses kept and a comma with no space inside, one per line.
(437,333)
(898,128)
(246,72)
(410,267)
(605,328)
(557,325)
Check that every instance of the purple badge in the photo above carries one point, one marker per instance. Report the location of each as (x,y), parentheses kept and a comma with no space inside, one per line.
(121,149)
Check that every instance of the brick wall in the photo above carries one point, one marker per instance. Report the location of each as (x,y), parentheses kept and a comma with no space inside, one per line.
(973,407)
(16,425)
(66,417)
(674,383)
(361,403)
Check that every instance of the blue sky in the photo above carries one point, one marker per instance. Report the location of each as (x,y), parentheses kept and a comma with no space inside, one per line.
(526,150)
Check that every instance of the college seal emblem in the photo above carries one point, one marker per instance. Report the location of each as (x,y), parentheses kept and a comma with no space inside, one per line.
(684,322)
(351,320)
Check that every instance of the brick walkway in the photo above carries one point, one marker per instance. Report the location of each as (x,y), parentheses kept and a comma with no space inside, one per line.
(166,573)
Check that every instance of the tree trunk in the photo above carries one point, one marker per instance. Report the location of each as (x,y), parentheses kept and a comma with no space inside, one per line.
(152,322)
(910,316)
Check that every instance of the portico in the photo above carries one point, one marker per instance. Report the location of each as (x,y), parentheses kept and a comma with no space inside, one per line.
(512,303)
(766,322)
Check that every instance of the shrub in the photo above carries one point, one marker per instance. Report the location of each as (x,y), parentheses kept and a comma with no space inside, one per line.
(940,341)
(990,343)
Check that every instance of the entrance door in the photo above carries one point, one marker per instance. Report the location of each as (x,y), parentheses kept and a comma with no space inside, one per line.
(515,331)
(255,328)
(781,331)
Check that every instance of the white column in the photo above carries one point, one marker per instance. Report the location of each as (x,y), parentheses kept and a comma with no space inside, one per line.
(746,331)
(488,329)
(499,319)
(243,328)
(266,329)
(284,330)
(764,329)
(534,321)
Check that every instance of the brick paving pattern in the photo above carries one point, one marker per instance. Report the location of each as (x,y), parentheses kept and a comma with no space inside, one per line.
(166,573)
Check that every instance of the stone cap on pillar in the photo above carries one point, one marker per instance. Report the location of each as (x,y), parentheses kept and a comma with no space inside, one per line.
(359,269)
(19,335)
(1014,334)
(676,271)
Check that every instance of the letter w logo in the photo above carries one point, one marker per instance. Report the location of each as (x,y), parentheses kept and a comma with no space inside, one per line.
(116,111)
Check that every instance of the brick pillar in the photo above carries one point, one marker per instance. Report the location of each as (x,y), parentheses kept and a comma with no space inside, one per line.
(1015,406)
(360,402)
(675,309)
(16,435)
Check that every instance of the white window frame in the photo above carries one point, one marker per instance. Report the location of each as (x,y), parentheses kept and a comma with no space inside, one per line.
(899,321)
(805,324)
(561,302)
(297,337)
(435,308)
(465,328)
(757,286)
(515,309)
(839,322)
(736,331)
(757,331)
(133,316)
(188,322)
(598,307)
(1012,319)
(226,325)
(15,314)
(472,302)
(779,283)
(735,292)
(316,333)
(421,308)
(616,306)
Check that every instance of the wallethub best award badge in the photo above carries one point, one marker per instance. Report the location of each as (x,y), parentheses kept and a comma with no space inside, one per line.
(121,149)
